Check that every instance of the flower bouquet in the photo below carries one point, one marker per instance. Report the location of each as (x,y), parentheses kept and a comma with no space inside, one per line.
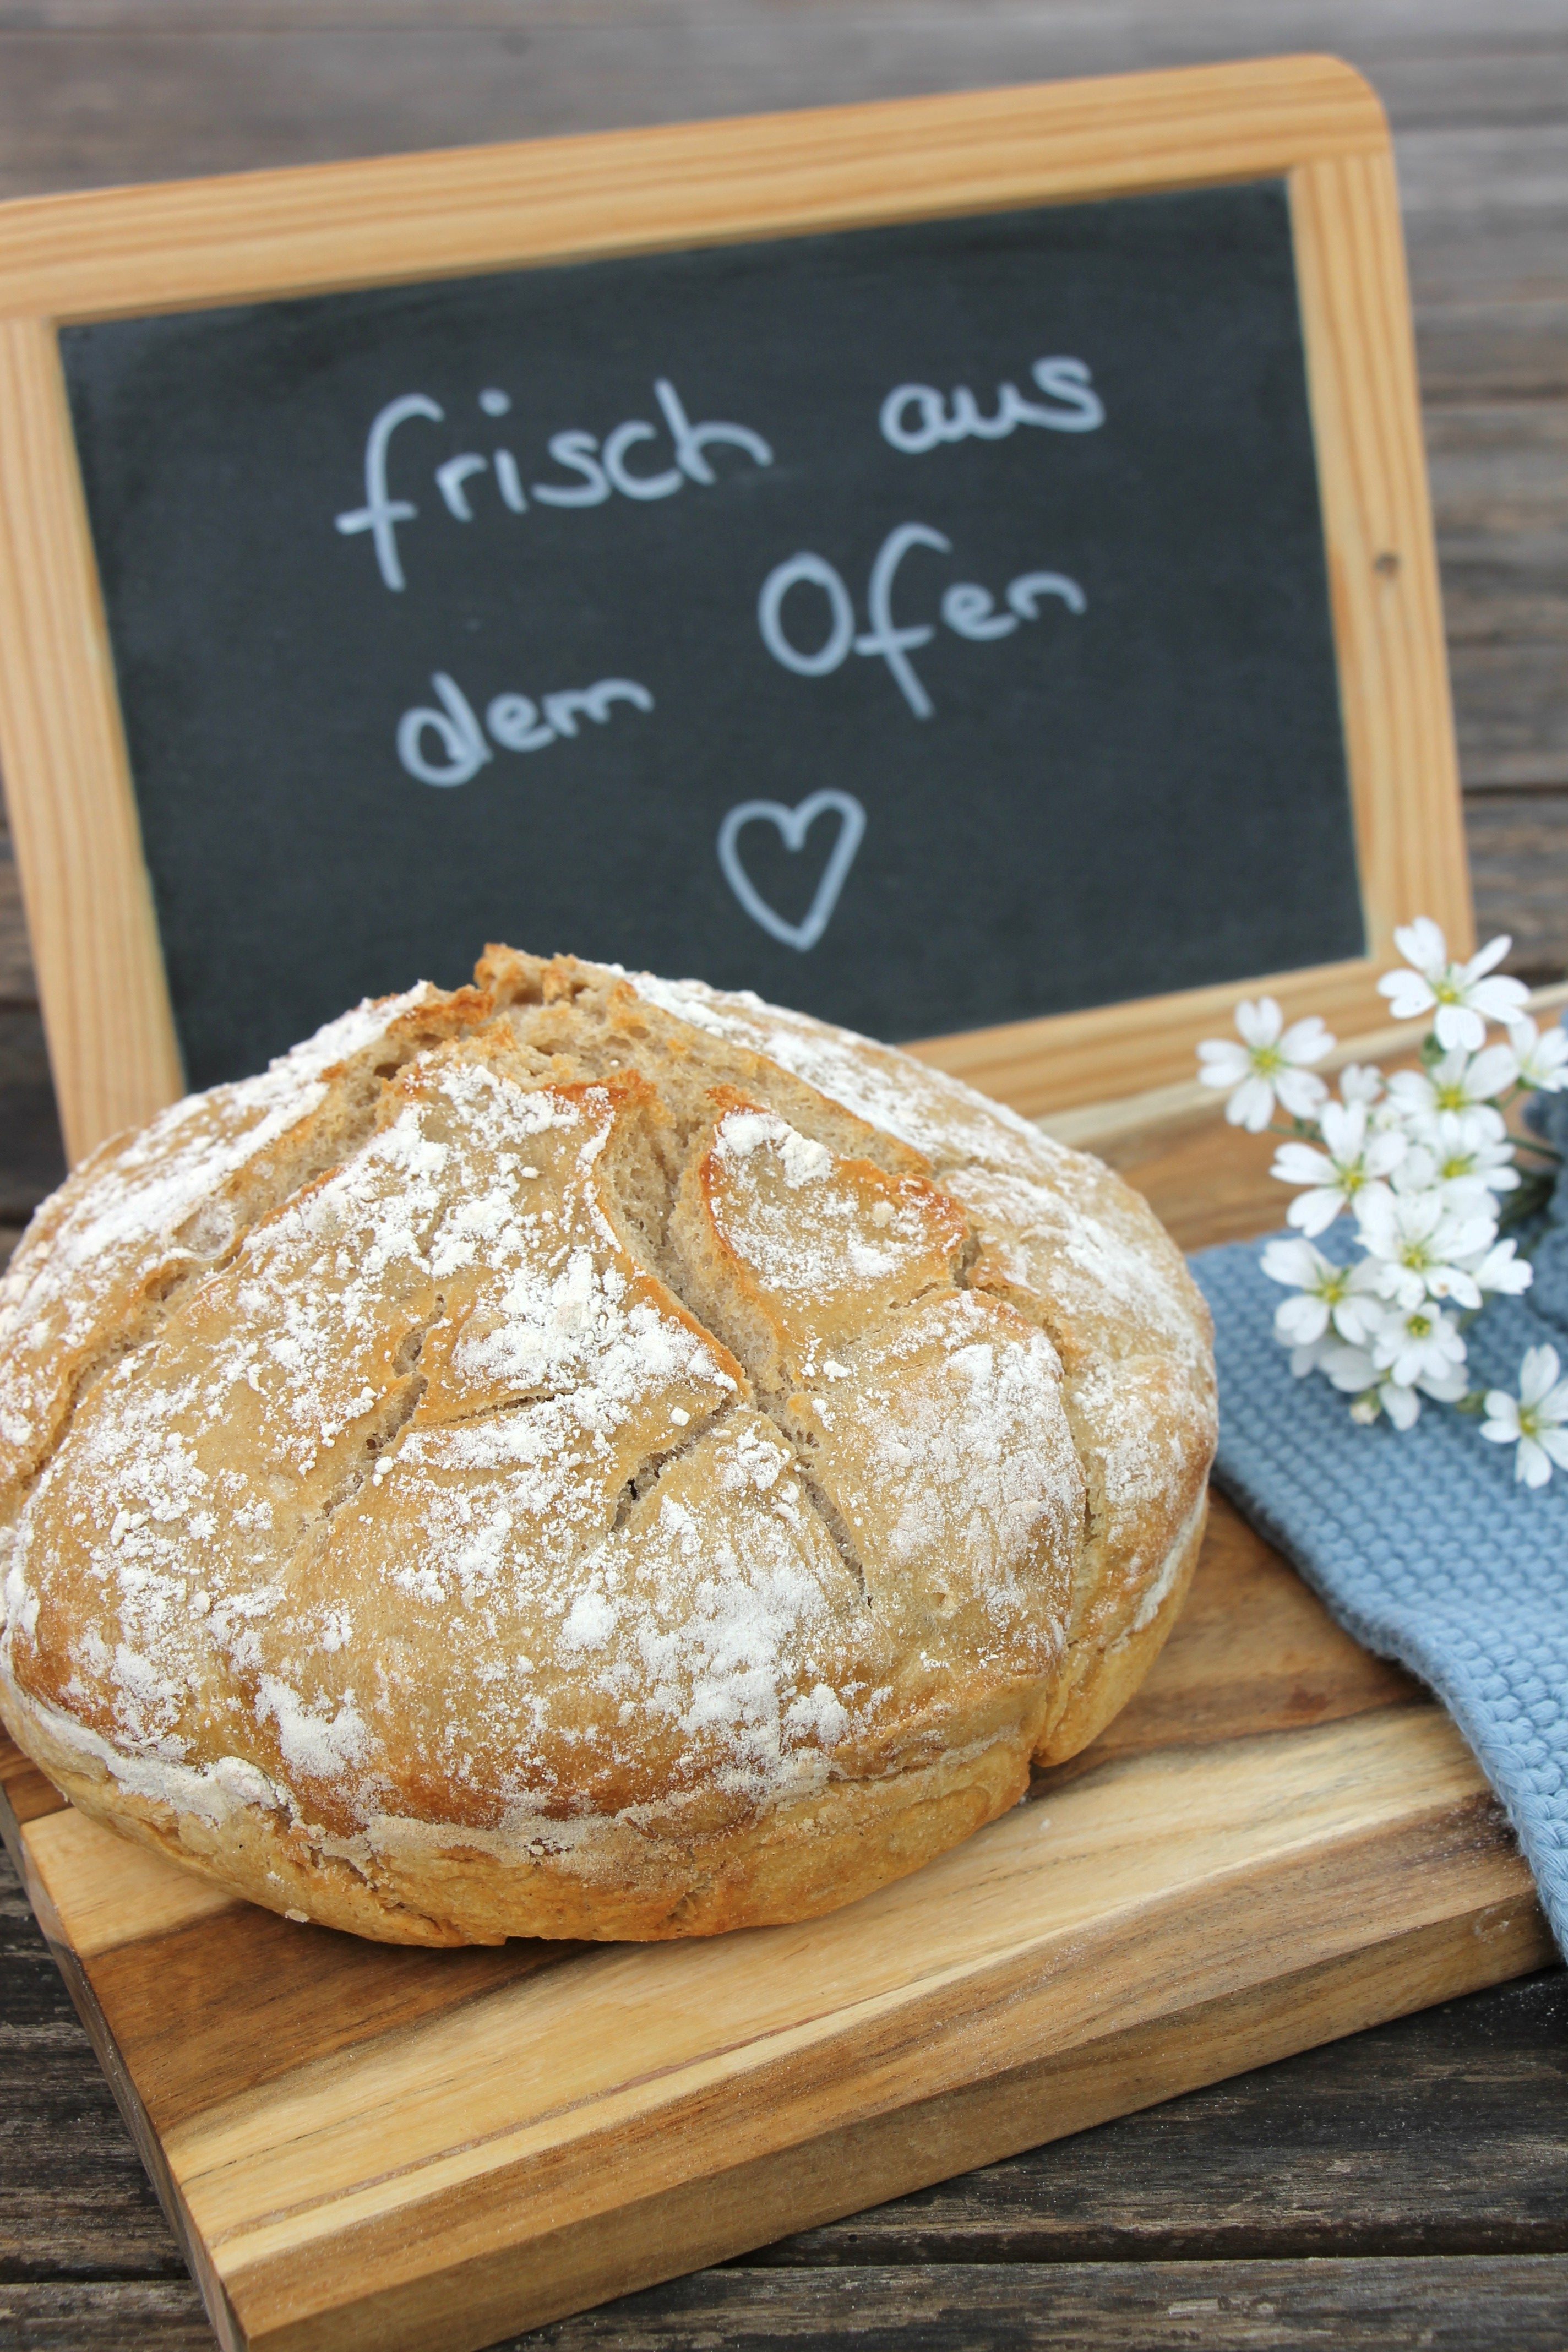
(1421,1186)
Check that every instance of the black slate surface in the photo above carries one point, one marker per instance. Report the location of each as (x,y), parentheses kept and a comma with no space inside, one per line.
(1110,766)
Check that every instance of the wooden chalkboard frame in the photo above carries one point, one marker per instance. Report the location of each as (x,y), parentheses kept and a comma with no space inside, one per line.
(1312,120)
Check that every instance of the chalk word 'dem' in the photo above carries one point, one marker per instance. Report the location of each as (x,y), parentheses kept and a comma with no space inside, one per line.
(967,609)
(515,721)
(914,417)
(599,469)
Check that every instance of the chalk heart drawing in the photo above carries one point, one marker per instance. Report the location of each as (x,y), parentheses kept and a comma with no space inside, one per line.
(793,824)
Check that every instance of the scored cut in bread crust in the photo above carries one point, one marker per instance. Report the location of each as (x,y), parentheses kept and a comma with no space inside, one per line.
(586,1455)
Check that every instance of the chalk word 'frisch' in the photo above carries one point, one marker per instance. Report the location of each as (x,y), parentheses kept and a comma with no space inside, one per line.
(596,469)
(969,610)
(446,745)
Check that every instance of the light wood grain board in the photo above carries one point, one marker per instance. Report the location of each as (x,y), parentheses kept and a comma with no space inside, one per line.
(1280,1841)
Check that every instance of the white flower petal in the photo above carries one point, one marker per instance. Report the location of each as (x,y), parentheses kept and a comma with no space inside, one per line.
(1492,1072)
(1313,1213)
(1307,1041)
(1259,1022)
(1501,999)
(1492,953)
(1344,1129)
(1402,1404)
(1421,943)
(1297,1263)
(1298,1321)
(1251,1106)
(1360,1082)
(1301,1092)
(1350,1369)
(1408,994)
(1531,1463)
(1301,1163)
(1456,1024)
(1224,1063)
(1383,1152)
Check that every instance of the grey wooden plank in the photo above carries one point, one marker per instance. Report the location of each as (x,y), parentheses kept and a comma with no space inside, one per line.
(125,95)
(108,2315)
(1460,2305)
(32,1157)
(1511,704)
(1506,349)
(1384,26)
(74,2200)
(16,983)
(1518,863)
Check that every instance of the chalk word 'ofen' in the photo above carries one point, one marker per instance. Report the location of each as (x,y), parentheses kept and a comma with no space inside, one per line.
(967,609)
(515,722)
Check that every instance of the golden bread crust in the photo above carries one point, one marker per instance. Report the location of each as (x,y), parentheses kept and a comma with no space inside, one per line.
(586,1455)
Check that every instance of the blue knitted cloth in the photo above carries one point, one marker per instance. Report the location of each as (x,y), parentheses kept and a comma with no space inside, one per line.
(1421,1543)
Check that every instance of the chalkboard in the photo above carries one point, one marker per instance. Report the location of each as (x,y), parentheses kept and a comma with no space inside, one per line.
(961,565)
(926,626)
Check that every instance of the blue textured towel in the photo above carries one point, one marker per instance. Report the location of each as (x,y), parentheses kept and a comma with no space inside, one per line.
(1421,1543)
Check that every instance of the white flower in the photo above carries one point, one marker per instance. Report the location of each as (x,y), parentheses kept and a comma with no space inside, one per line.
(1499,1270)
(1371,1389)
(1420,1345)
(1340,1174)
(1421,1245)
(1466,999)
(1533,1420)
(1458,1082)
(1267,1064)
(1332,1298)
(1543,1060)
(1462,1153)
(1361,1082)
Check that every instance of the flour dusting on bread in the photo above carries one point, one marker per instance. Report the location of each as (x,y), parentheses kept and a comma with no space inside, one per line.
(584,1455)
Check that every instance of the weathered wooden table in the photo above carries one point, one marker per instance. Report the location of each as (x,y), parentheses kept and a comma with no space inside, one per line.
(1406,2187)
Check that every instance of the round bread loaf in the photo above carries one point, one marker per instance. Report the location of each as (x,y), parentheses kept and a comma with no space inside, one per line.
(586,1455)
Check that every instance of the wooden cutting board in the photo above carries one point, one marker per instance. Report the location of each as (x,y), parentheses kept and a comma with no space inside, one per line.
(1280,1841)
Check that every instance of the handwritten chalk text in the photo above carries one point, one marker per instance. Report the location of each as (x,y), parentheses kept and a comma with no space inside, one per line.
(967,609)
(595,469)
(515,722)
(915,417)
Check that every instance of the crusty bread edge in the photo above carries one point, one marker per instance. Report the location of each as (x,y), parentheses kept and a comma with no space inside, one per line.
(1106,1682)
(612,1882)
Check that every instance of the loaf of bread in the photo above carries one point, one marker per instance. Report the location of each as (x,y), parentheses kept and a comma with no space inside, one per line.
(586,1456)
